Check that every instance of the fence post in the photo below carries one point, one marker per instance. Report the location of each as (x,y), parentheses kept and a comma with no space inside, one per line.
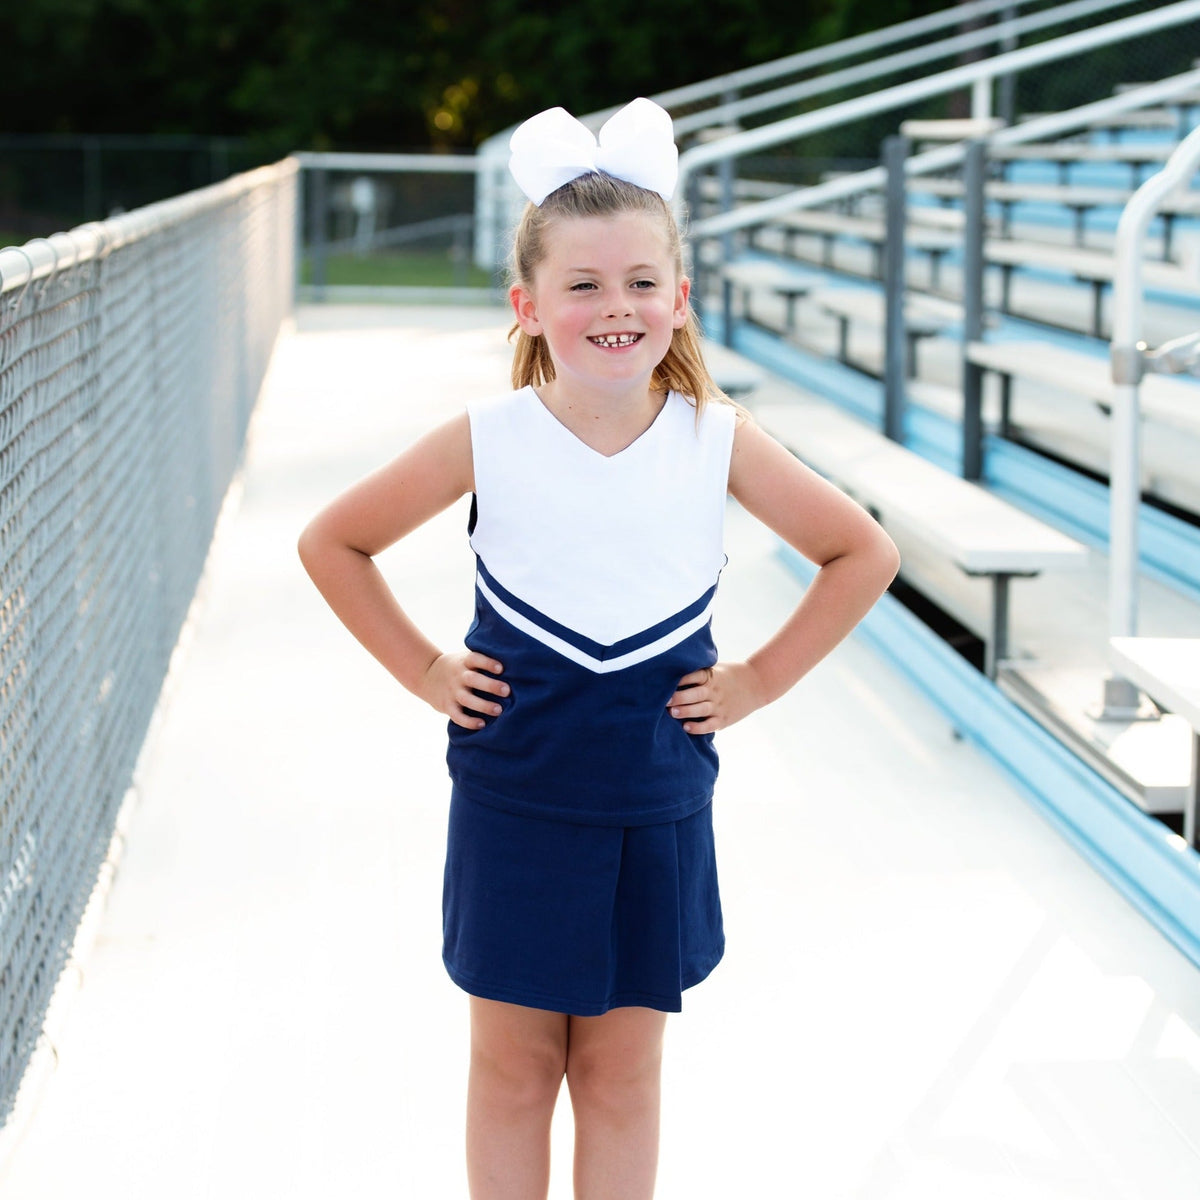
(895,368)
(1006,85)
(974,168)
(318,218)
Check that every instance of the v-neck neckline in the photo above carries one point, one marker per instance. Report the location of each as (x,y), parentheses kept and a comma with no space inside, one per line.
(574,437)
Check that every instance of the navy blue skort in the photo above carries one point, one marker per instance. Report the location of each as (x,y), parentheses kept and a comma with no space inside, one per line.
(576,918)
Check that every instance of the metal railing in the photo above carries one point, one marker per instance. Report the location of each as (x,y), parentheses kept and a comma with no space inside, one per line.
(1131,360)
(1005,35)
(426,223)
(131,354)
(692,161)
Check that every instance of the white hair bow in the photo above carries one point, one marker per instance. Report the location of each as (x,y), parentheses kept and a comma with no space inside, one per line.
(636,144)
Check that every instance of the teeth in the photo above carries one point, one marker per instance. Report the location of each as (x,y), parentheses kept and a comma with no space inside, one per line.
(616,339)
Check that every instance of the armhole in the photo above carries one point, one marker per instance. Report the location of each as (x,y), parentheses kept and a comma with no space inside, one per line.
(474,515)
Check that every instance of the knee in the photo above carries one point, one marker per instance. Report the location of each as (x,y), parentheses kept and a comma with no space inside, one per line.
(613,1079)
(521,1076)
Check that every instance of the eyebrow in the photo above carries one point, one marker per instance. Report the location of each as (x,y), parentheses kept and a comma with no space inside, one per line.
(637,267)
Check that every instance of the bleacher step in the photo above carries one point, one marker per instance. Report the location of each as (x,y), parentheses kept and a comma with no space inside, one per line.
(1148,760)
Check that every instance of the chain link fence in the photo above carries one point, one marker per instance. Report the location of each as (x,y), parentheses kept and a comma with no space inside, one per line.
(131,355)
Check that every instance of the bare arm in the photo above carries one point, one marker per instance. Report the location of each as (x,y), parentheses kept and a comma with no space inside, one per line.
(857,561)
(337,549)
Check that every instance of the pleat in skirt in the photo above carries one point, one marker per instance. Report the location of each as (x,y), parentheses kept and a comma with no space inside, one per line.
(575,918)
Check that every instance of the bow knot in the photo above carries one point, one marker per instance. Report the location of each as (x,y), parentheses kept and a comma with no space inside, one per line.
(636,144)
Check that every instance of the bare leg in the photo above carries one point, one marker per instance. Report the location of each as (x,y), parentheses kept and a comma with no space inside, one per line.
(614,1068)
(518,1057)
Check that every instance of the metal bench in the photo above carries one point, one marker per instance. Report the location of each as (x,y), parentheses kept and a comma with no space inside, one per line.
(1137,155)
(916,500)
(924,316)
(1080,200)
(831,227)
(1168,671)
(1094,267)
(763,275)
(1171,401)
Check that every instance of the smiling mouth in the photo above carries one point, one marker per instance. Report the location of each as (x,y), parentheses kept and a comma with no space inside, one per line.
(615,341)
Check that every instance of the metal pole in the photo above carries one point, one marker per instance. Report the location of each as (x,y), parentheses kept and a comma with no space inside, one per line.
(974,169)
(895,374)
(727,171)
(1006,85)
(699,268)
(1121,699)
(319,215)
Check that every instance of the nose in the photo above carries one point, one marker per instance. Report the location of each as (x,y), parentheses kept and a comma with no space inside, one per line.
(618,305)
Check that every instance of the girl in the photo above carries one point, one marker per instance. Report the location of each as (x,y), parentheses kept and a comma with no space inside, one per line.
(580,886)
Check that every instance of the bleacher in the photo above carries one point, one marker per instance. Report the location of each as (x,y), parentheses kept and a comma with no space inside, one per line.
(876,393)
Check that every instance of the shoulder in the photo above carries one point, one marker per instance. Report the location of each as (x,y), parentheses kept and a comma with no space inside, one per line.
(715,421)
(501,409)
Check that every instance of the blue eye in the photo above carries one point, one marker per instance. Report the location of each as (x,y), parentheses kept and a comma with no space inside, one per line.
(644,284)
(579,287)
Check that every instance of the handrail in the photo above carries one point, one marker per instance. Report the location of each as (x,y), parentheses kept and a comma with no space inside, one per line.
(877,67)
(738,144)
(873,178)
(1128,355)
(822,56)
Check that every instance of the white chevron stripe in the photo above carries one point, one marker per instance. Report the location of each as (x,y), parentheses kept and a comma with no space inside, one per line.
(597,665)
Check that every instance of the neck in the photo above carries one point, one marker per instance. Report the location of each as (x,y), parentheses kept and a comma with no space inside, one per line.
(606,421)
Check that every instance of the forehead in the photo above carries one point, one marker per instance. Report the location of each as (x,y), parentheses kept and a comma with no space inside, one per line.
(607,241)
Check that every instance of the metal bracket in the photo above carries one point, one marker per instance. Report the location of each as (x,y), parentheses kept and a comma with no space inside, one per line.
(1128,363)
(1179,356)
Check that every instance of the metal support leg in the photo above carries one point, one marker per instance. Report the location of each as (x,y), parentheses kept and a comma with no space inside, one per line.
(1079,212)
(891,264)
(1006,386)
(790,299)
(1097,306)
(727,311)
(996,650)
(1191,811)
(974,170)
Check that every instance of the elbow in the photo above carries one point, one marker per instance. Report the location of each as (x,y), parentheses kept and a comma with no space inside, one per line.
(888,557)
(891,559)
(308,546)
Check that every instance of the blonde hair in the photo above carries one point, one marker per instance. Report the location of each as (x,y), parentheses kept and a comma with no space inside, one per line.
(599,195)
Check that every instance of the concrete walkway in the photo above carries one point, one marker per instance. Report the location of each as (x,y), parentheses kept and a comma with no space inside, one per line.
(926,994)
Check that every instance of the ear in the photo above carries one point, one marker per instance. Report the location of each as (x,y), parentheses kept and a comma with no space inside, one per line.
(525,309)
(680,313)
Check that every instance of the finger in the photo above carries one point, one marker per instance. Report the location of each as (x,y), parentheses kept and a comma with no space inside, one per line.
(704,725)
(695,677)
(466,720)
(487,683)
(690,694)
(693,712)
(466,698)
(481,662)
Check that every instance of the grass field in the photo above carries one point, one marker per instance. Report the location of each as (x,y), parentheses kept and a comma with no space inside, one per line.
(412,269)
